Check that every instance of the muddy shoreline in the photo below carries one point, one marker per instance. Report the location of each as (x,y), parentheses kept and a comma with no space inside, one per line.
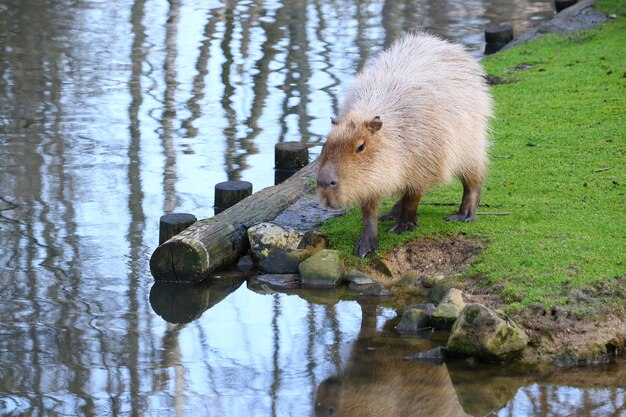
(558,335)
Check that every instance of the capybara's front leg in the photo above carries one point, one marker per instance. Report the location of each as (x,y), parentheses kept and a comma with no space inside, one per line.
(469,205)
(368,242)
(407,219)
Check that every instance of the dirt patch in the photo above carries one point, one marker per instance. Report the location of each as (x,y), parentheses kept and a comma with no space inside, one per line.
(584,332)
(581,333)
(427,257)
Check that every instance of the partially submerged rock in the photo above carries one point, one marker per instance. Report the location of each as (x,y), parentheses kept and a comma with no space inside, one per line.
(358,278)
(280,281)
(325,269)
(267,237)
(444,316)
(433,356)
(481,332)
(313,241)
(283,261)
(375,289)
(413,321)
(448,311)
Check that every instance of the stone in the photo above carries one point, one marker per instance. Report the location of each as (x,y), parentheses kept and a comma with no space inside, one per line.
(376,290)
(325,269)
(454,296)
(442,286)
(480,332)
(245,263)
(413,321)
(433,356)
(280,281)
(283,261)
(444,316)
(267,237)
(428,308)
(428,281)
(314,241)
(358,278)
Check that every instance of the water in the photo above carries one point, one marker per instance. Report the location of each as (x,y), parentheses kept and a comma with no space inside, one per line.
(113,113)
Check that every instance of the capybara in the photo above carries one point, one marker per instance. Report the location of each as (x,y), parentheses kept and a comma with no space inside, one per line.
(415,117)
(379,382)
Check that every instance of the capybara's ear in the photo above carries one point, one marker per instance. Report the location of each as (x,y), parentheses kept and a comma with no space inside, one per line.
(333,121)
(375,124)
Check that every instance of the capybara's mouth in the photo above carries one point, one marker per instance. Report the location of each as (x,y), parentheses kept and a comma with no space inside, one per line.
(329,199)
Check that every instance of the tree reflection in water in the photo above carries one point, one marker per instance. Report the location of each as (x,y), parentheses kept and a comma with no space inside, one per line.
(112,113)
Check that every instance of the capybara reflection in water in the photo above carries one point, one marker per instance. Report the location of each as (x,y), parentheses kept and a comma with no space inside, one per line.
(379,382)
(414,118)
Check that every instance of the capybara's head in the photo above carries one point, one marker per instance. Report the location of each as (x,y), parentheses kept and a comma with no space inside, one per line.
(346,160)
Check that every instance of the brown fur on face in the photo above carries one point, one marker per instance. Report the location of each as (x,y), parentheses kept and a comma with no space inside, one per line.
(348,154)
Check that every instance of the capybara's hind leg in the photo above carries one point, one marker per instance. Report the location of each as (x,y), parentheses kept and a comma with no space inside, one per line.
(407,217)
(394,213)
(469,204)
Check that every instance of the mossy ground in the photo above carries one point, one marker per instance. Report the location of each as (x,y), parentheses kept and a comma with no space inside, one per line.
(558,167)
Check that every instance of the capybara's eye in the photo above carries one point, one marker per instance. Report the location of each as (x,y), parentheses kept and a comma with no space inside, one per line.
(361,148)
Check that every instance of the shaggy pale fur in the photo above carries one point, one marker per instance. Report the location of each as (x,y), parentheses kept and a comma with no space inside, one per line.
(434,105)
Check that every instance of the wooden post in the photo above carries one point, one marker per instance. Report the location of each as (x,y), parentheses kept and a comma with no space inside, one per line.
(210,244)
(496,37)
(563,4)
(229,193)
(289,157)
(172,224)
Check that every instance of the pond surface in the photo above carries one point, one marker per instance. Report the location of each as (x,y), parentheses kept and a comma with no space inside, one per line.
(113,113)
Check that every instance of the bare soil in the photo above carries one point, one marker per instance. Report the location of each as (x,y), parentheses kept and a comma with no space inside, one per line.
(561,335)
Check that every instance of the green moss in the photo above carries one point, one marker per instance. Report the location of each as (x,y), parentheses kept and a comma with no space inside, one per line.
(471,315)
(565,193)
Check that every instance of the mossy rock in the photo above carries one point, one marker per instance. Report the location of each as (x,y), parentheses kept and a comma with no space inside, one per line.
(480,332)
(325,269)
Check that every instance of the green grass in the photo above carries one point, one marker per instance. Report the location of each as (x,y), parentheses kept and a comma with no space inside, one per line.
(558,166)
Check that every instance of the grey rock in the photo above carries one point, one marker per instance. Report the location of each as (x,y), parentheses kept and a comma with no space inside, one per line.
(482,333)
(283,261)
(413,321)
(281,281)
(441,287)
(267,237)
(376,290)
(428,308)
(454,296)
(245,263)
(433,356)
(358,278)
(445,315)
(325,269)
(428,281)
(313,241)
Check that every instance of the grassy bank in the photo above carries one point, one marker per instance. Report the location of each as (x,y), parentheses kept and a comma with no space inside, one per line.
(558,167)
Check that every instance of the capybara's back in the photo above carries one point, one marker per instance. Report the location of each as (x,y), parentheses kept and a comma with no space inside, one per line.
(415,117)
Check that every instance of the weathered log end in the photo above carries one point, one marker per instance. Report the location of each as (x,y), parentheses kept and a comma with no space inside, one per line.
(180,260)
(211,244)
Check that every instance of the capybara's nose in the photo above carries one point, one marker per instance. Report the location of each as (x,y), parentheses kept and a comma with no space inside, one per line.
(327,178)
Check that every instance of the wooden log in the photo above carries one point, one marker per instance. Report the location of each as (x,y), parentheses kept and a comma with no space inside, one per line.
(214,243)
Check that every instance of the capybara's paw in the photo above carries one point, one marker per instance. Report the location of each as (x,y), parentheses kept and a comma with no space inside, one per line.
(388,216)
(364,246)
(460,217)
(403,227)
